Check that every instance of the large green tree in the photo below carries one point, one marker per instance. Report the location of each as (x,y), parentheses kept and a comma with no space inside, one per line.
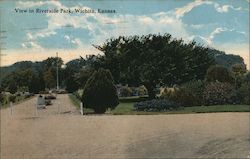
(49,71)
(154,60)
(21,78)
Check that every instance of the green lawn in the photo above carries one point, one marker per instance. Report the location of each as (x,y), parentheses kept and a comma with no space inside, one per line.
(126,108)
(19,99)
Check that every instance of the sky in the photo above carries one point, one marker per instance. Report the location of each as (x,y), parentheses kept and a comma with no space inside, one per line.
(220,24)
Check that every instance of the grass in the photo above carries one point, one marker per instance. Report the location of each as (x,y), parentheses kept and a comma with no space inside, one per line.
(19,99)
(126,108)
(77,103)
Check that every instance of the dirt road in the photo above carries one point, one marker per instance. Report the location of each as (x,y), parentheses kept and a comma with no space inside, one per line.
(68,135)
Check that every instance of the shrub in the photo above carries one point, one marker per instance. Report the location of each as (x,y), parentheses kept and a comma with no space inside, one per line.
(246,77)
(142,90)
(100,92)
(12,98)
(218,73)
(218,93)
(189,94)
(170,94)
(1,98)
(132,99)
(44,92)
(244,93)
(125,91)
(155,105)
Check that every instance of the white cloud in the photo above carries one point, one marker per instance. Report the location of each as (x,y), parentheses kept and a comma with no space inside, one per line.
(146,20)
(30,4)
(29,36)
(179,12)
(77,41)
(197,26)
(45,33)
(31,45)
(23,45)
(224,8)
(215,32)
(199,39)
(66,37)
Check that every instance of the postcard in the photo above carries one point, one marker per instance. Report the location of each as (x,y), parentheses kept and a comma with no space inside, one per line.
(124,79)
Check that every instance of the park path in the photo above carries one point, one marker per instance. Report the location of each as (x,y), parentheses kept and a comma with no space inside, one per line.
(62,105)
(72,136)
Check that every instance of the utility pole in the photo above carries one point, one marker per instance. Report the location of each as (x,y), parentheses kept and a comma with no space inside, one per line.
(57,77)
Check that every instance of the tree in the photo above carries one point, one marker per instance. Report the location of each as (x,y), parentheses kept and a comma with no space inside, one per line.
(218,73)
(49,71)
(26,78)
(100,92)
(154,60)
(238,71)
(49,79)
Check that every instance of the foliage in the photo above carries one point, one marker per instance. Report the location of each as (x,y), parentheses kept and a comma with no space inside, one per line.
(12,98)
(171,94)
(83,76)
(142,90)
(218,73)
(49,79)
(188,94)
(73,67)
(238,71)
(195,89)
(218,93)
(31,75)
(244,93)
(155,105)
(2,97)
(154,59)
(77,73)
(246,77)
(49,73)
(225,60)
(100,92)
(132,99)
(125,91)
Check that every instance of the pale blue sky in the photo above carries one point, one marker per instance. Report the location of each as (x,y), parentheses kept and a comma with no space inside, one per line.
(222,24)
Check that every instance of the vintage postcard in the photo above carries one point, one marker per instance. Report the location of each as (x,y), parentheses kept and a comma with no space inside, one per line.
(116,79)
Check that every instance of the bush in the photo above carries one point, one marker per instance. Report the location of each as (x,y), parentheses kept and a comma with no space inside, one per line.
(125,91)
(100,92)
(189,94)
(12,98)
(246,77)
(1,98)
(244,93)
(142,91)
(218,73)
(155,105)
(218,93)
(132,99)
(44,92)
